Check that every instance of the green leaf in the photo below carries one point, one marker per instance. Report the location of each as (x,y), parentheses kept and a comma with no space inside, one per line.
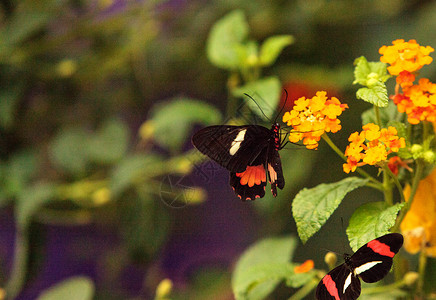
(225,37)
(110,142)
(173,120)
(261,267)
(265,91)
(24,23)
(69,151)
(405,152)
(73,288)
(31,199)
(296,280)
(17,173)
(10,96)
(376,291)
(133,170)
(400,127)
(311,208)
(361,70)
(305,162)
(272,47)
(145,225)
(377,94)
(387,114)
(367,73)
(248,53)
(371,221)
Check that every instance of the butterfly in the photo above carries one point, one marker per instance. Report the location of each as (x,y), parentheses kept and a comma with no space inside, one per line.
(249,152)
(371,263)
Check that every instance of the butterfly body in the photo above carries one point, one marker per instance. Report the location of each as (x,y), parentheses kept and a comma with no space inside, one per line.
(371,263)
(249,152)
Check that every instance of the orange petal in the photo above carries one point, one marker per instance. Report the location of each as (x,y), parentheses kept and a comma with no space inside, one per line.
(304,267)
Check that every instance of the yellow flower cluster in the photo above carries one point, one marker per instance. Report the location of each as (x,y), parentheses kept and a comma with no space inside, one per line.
(371,146)
(310,118)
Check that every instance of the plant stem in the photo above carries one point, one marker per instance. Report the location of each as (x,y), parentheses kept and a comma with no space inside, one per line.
(387,188)
(19,265)
(396,182)
(421,271)
(383,288)
(305,290)
(377,115)
(415,183)
(425,130)
(332,145)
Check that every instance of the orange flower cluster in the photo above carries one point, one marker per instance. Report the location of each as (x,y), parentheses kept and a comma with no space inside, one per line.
(418,102)
(310,118)
(405,58)
(376,145)
(419,224)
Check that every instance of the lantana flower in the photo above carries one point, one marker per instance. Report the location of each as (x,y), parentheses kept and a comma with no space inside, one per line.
(310,118)
(418,102)
(371,146)
(405,58)
(419,225)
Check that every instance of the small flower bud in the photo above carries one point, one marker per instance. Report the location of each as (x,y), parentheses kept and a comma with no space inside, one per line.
(164,289)
(195,195)
(428,156)
(416,148)
(252,60)
(101,196)
(182,166)
(330,259)
(373,78)
(146,131)
(66,68)
(410,278)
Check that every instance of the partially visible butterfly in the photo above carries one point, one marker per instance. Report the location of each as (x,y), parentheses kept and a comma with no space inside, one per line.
(249,152)
(371,263)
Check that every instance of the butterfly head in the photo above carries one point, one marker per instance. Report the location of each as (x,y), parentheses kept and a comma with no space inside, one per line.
(347,259)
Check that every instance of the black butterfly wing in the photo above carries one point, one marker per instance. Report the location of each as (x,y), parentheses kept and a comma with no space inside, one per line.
(250,184)
(339,284)
(275,172)
(232,147)
(373,261)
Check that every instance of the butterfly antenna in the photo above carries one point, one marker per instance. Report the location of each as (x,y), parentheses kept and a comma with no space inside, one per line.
(328,250)
(258,106)
(283,106)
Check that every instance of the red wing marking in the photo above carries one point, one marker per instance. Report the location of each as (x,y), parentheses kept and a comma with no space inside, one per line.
(331,286)
(380,248)
(252,175)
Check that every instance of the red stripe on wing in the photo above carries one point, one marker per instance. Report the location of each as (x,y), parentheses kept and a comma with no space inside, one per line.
(380,248)
(331,286)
